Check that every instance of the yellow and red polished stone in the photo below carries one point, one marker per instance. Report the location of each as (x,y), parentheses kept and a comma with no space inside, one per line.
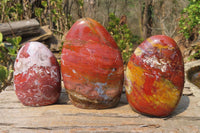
(154,78)
(91,66)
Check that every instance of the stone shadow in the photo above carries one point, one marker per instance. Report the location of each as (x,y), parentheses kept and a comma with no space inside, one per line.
(181,107)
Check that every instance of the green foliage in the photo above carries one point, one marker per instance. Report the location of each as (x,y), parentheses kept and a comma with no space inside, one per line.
(81,2)
(38,12)
(1,37)
(44,4)
(47,12)
(11,10)
(190,19)
(123,37)
(8,53)
(3,74)
(14,47)
(196,55)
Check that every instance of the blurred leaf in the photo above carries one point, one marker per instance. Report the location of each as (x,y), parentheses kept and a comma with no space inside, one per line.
(14,46)
(3,73)
(5,1)
(44,3)
(190,19)
(18,39)
(15,40)
(38,12)
(54,11)
(1,37)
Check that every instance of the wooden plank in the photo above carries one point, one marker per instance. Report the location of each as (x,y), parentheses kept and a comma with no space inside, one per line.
(63,117)
(20,28)
(45,33)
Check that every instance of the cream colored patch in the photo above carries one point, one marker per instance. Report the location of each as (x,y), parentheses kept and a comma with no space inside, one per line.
(128,84)
(38,55)
(138,51)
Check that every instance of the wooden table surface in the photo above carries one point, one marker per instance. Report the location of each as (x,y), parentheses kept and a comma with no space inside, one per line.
(63,117)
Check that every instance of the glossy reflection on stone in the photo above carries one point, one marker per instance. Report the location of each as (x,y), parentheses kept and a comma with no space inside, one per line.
(155,76)
(37,78)
(91,66)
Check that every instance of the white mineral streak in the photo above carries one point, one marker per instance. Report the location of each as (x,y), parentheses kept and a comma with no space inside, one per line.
(99,88)
(154,62)
(38,55)
(67,75)
(91,54)
(128,83)
(54,73)
(62,57)
(74,71)
(138,51)
(38,97)
(14,87)
(113,70)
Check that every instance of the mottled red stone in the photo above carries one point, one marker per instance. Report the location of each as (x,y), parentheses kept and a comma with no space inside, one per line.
(155,76)
(37,78)
(91,66)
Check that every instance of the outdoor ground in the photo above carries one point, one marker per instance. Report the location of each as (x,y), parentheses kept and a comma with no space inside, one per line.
(63,117)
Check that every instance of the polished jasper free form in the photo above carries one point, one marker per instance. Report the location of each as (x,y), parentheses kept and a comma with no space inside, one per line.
(155,76)
(37,78)
(91,66)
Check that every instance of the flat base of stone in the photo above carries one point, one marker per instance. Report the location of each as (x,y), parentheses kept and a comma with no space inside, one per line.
(92,105)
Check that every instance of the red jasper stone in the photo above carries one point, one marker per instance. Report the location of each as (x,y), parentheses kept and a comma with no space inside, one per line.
(37,78)
(91,66)
(155,76)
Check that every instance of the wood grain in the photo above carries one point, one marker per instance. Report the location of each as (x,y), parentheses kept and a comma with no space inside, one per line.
(63,117)
(20,28)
